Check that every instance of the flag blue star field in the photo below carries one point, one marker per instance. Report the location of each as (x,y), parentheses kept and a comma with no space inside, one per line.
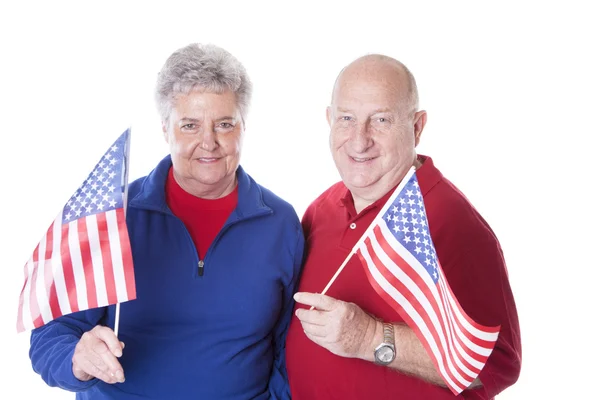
(84,259)
(402,266)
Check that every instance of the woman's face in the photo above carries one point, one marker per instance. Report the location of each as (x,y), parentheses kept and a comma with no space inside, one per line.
(204,132)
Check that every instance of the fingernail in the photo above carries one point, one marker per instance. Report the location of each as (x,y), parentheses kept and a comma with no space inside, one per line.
(120,376)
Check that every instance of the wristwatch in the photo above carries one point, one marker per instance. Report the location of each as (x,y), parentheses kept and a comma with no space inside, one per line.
(385,353)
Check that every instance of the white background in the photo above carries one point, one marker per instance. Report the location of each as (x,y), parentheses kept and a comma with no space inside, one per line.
(511,91)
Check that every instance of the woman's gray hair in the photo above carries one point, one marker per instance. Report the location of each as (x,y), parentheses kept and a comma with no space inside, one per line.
(205,67)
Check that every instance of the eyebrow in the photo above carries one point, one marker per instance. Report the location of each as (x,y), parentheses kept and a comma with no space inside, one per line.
(377,111)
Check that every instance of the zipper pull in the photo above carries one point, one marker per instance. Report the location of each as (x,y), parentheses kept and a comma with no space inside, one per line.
(200,268)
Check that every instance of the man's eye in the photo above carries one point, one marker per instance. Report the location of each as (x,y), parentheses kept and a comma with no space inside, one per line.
(346,118)
(381,120)
(225,125)
(188,126)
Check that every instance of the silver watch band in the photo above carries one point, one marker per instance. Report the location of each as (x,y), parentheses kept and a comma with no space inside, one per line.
(388,333)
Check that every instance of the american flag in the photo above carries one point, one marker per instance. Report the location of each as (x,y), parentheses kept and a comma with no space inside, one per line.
(84,259)
(402,266)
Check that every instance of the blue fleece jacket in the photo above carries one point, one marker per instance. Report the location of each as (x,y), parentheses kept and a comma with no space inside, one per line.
(216,336)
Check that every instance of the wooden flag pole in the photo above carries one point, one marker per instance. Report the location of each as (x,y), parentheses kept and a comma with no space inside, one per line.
(125,181)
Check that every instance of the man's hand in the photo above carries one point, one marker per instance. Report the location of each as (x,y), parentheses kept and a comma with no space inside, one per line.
(96,356)
(340,327)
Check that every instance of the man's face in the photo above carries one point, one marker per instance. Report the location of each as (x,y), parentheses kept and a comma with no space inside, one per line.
(372,136)
(204,132)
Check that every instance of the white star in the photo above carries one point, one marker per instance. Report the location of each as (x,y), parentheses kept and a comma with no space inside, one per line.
(407,239)
(396,228)
(112,204)
(418,250)
(402,201)
(405,229)
(68,216)
(105,197)
(100,206)
(413,211)
(101,164)
(78,212)
(404,220)
(113,161)
(409,193)
(94,186)
(417,240)
(94,200)
(411,202)
(388,217)
(107,156)
(111,189)
(114,148)
(395,219)
(100,192)
(95,172)
(395,210)
(88,209)
(111,175)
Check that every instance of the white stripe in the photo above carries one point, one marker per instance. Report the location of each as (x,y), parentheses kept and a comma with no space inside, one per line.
(77,264)
(97,262)
(398,273)
(58,272)
(388,288)
(40,285)
(116,255)
(488,336)
(27,318)
(428,310)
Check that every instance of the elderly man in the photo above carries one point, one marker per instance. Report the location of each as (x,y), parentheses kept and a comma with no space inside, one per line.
(216,257)
(331,349)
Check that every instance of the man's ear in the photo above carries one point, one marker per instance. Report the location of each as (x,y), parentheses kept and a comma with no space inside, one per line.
(328,115)
(419,124)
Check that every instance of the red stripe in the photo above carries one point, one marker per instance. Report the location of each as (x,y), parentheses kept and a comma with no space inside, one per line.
(126,254)
(109,275)
(33,301)
(86,259)
(454,325)
(410,296)
(457,325)
(405,316)
(49,275)
(67,264)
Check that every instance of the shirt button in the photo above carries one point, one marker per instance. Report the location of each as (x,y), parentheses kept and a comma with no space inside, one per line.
(353,226)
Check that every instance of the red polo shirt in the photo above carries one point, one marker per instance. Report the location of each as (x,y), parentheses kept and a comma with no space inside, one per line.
(473,263)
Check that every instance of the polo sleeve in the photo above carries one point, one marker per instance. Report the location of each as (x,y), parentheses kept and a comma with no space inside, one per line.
(479,280)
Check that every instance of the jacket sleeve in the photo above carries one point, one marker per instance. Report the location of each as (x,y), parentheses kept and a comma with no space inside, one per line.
(52,347)
(278,384)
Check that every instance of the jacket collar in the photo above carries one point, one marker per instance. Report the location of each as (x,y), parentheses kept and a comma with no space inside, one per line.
(152,194)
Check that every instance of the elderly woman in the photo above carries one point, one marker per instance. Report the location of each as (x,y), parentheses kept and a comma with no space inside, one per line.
(216,257)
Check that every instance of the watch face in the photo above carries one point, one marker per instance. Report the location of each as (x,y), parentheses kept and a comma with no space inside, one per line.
(385,354)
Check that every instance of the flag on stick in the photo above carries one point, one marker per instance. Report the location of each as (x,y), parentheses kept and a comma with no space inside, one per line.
(402,266)
(84,259)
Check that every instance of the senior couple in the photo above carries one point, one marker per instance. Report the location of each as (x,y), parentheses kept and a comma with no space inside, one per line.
(227,277)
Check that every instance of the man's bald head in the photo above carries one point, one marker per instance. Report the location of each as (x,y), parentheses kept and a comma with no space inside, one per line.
(377,67)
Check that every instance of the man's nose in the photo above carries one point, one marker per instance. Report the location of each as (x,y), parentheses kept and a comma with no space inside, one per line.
(361,138)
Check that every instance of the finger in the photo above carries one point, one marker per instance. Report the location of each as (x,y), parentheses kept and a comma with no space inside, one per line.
(108,362)
(320,301)
(98,369)
(312,316)
(314,330)
(108,336)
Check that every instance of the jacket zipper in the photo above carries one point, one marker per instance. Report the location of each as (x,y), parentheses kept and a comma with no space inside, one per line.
(200,268)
